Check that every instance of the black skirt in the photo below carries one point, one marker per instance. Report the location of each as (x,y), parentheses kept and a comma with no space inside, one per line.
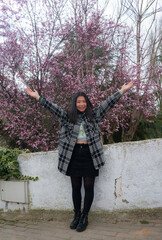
(81,163)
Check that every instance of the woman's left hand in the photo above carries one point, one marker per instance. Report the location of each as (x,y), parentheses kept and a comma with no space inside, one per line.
(126,87)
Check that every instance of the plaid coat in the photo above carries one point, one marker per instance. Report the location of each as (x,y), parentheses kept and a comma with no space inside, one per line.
(69,131)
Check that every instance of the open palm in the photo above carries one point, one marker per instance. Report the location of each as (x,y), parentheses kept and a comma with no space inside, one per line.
(126,87)
(33,94)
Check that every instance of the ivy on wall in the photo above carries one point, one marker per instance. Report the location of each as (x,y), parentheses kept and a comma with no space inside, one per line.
(9,165)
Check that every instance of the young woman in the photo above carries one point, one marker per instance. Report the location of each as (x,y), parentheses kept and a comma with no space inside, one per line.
(80,148)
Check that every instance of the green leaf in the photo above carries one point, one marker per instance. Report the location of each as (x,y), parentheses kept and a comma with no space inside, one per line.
(9,166)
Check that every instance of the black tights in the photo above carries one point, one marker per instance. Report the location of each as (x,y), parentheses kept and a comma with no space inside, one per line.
(76,192)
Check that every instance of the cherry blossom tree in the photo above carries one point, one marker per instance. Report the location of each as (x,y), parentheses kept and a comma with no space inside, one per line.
(44,48)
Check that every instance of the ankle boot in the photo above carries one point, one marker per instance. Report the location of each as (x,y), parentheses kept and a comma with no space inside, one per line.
(82,223)
(76,219)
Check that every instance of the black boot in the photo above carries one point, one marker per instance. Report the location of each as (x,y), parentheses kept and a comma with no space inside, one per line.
(82,223)
(76,219)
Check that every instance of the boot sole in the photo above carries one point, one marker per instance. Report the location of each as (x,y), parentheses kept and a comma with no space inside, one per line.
(83,229)
(73,228)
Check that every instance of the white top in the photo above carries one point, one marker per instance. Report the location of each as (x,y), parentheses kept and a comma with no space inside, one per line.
(82,135)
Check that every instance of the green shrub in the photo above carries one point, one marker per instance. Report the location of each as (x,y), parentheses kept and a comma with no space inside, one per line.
(9,166)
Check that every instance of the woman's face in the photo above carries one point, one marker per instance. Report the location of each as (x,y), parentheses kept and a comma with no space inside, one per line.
(81,104)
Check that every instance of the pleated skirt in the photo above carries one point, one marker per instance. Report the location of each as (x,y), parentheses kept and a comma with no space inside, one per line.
(81,163)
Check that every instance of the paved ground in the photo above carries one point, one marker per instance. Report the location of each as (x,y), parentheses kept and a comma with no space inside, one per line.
(41,225)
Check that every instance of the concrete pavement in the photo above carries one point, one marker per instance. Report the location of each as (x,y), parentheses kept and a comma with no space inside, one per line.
(40,225)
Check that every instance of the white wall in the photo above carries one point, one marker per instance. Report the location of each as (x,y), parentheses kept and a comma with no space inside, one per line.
(131,178)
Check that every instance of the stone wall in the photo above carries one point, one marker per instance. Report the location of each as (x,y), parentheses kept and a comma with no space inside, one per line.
(130,179)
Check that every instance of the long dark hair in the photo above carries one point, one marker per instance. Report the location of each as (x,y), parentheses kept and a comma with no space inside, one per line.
(73,112)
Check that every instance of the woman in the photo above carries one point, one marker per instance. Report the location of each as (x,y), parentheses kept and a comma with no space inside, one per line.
(80,148)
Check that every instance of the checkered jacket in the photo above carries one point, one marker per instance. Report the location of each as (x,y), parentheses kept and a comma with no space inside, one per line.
(69,131)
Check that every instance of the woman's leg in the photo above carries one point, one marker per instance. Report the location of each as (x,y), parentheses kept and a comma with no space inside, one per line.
(76,183)
(88,199)
(89,193)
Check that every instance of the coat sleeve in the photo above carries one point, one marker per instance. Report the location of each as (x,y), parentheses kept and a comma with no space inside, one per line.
(53,108)
(100,111)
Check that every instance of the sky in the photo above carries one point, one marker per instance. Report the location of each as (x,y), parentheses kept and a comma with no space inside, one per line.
(113,8)
(112,11)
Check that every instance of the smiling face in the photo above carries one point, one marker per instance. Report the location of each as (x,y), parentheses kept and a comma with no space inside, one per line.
(81,104)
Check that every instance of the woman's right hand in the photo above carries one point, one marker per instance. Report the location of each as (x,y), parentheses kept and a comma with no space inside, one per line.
(33,94)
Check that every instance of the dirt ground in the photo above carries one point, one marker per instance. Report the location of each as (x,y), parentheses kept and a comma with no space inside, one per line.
(138,215)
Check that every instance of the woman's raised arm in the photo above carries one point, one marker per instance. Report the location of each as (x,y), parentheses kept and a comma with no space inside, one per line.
(53,108)
(105,106)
